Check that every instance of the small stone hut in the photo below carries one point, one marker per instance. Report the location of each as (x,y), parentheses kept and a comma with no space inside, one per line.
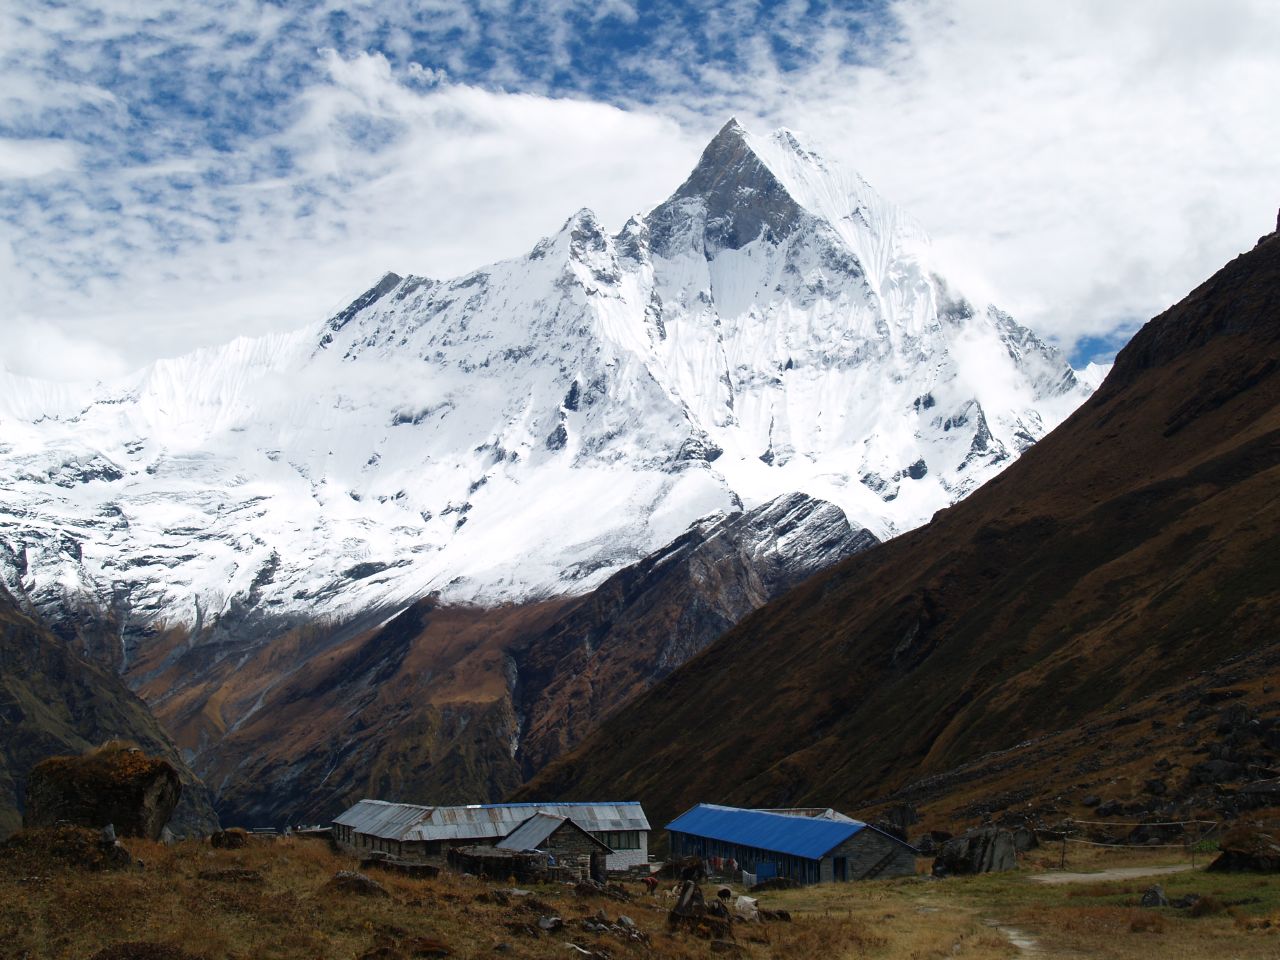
(566,844)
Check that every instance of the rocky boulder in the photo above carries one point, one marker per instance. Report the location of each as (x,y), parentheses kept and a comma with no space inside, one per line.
(114,784)
(350,881)
(1154,896)
(232,838)
(1246,849)
(984,850)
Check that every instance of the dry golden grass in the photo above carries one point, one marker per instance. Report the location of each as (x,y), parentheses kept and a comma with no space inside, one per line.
(268,901)
(890,919)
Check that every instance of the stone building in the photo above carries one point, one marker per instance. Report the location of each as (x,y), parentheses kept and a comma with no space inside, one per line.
(418,832)
(566,844)
(808,846)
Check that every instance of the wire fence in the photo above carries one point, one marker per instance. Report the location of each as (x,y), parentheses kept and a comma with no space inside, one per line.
(1191,838)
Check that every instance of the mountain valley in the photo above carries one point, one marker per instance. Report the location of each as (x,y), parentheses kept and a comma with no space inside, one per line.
(428,545)
(1100,619)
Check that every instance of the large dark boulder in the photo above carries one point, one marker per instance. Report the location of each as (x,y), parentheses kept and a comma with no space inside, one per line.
(115,784)
(1246,849)
(984,850)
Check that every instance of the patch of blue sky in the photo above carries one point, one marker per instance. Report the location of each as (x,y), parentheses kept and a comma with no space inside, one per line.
(1103,348)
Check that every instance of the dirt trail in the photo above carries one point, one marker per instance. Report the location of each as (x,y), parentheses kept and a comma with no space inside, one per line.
(1023,942)
(1116,873)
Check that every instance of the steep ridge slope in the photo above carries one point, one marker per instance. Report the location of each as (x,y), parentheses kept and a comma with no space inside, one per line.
(53,702)
(528,429)
(1131,549)
(460,703)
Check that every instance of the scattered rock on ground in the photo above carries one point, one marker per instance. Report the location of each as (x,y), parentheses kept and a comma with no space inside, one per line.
(1154,896)
(349,881)
(232,839)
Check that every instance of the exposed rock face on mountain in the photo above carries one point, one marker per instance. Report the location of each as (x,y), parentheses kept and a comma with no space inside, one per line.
(459,703)
(54,702)
(1114,587)
(646,620)
(530,428)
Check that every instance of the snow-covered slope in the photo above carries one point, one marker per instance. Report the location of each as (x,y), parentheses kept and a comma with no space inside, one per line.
(529,428)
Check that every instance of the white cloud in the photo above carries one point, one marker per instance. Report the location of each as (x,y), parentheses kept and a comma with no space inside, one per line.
(1085,163)
(37,348)
(1092,161)
(384,175)
(23,159)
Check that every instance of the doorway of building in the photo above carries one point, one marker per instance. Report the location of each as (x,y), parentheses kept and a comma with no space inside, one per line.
(841,868)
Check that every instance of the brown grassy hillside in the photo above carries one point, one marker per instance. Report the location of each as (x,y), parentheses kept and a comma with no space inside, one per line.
(1134,547)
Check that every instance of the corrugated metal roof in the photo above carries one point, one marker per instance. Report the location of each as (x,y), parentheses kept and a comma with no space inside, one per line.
(799,836)
(499,819)
(410,822)
(377,818)
(532,833)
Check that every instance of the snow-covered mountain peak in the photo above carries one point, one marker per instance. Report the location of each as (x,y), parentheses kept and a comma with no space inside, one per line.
(527,428)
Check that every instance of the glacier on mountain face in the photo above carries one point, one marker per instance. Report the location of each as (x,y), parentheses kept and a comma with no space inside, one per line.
(528,428)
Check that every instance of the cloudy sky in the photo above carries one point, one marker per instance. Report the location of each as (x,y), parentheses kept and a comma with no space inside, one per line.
(176,173)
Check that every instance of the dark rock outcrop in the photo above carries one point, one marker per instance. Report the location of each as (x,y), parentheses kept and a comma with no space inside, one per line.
(116,784)
(730,195)
(1248,849)
(651,617)
(985,850)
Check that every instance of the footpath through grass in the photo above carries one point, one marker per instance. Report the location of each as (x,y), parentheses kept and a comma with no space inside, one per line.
(1238,915)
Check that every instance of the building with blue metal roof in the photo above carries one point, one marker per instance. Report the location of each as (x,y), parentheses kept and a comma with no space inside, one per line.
(808,846)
